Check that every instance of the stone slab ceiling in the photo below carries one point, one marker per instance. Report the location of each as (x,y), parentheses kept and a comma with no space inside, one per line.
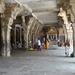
(44,10)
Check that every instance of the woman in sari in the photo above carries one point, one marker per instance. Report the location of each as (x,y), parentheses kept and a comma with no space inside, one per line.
(47,44)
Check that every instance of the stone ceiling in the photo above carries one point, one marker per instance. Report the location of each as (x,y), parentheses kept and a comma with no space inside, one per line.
(44,10)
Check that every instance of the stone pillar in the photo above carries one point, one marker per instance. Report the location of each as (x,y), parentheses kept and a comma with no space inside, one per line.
(0,35)
(70,38)
(26,32)
(56,36)
(15,37)
(6,28)
(6,42)
(21,36)
(65,31)
(3,50)
(35,32)
(26,39)
(73,38)
(23,24)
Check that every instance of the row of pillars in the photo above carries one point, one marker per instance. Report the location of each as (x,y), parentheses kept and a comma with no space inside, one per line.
(6,33)
(16,35)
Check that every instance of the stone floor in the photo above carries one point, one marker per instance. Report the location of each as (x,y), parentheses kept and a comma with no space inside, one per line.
(45,62)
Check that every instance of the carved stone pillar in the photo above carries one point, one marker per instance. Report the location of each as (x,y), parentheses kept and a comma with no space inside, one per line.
(70,38)
(0,35)
(23,24)
(15,37)
(8,51)
(73,38)
(6,28)
(21,36)
(6,42)
(65,31)
(26,39)
(40,28)
(2,6)
(32,31)
(56,36)
(3,50)
(35,31)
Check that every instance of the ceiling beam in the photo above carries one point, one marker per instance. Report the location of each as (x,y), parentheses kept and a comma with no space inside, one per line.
(44,10)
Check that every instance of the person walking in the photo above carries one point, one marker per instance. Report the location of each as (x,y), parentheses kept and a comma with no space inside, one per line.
(39,44)
(67,47)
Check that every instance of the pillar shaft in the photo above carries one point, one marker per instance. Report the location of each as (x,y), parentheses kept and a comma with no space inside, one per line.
(26,40)
(15,37)
(65,31)
(73,38)
(21,36)
(6,42)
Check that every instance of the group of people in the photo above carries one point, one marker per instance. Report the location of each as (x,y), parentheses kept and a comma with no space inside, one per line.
(43,44)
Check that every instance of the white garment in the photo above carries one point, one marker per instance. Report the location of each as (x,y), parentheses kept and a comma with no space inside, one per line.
(39,42)
(67,50)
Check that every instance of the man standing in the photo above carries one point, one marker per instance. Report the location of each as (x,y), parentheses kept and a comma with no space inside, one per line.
(39,44)
(67,47)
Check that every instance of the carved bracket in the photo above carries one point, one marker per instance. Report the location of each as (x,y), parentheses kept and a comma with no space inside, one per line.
(2,6)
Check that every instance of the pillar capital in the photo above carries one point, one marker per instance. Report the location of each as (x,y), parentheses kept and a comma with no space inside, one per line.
(2,6)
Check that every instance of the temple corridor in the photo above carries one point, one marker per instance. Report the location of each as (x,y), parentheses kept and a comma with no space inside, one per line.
(27,28)
(45,62)
(22,22)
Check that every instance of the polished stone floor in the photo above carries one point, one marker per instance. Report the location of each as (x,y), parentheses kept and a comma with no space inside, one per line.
(46,62)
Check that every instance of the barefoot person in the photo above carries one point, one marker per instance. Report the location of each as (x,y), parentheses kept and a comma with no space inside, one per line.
(67,47)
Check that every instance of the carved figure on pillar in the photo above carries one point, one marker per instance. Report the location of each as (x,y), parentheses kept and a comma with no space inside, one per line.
(65,19)
(63,15)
